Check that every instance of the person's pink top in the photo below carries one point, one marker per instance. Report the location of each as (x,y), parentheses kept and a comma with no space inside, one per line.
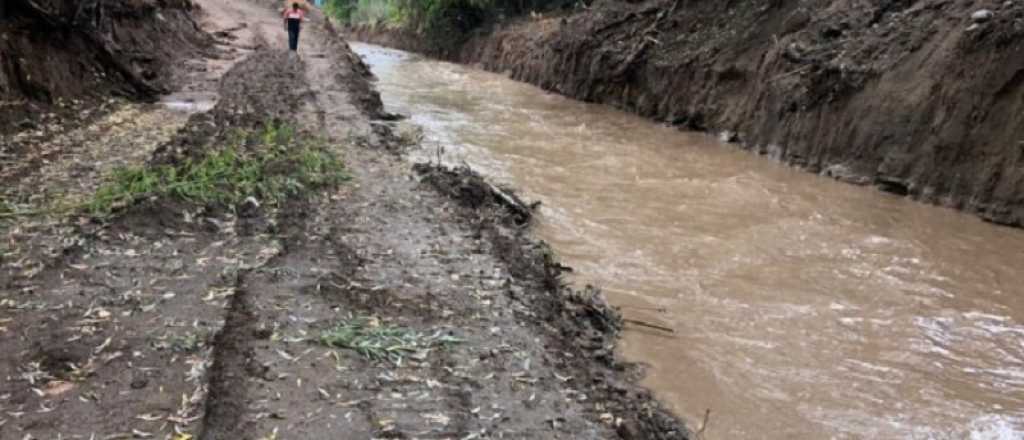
(297,14)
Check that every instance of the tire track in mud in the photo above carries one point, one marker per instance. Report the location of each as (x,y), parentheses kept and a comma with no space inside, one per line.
(110,322)
(119,332)
(143,294)
(249,370)
(232,357)
(391,250)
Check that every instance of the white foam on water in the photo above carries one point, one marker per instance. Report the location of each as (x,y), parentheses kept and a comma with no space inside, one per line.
(994,427)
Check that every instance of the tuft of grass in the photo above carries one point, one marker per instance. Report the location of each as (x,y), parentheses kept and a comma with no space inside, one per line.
(276,134)
(282,168)
(376,341)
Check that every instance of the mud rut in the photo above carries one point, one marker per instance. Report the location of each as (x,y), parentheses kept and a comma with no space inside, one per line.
(171,323)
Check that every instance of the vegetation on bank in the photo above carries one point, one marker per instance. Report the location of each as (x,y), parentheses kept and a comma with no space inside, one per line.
(266,166)
(439,18)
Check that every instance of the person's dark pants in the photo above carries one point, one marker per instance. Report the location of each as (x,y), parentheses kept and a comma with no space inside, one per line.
(294,26)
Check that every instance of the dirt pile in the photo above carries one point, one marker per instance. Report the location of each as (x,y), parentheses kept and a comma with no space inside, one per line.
(471,190)
(917,97)
(59,51)
(265,88)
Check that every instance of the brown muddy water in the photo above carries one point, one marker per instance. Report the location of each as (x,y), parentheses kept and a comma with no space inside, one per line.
(804,308)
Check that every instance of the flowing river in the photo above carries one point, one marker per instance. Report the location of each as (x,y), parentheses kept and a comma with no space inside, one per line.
(803,308)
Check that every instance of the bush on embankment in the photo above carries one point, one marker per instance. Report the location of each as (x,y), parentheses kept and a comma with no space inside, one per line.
(442,22)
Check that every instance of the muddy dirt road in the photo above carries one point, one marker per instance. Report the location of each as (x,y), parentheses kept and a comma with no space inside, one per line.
(376,308)
(805,308)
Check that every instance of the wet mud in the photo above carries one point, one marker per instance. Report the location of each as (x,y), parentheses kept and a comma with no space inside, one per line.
(579,324)
(173,320)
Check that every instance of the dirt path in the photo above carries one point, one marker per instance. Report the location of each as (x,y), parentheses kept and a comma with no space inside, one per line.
(174,323)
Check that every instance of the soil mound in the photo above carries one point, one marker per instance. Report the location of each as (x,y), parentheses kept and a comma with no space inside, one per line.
(265,88)
(54,51)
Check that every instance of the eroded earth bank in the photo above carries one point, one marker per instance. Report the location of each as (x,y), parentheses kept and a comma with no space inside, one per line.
(921,98)
(252,259)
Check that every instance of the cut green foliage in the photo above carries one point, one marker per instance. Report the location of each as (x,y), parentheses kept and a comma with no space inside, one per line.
(376,341)
(275,134)
(277,168)
(187,343)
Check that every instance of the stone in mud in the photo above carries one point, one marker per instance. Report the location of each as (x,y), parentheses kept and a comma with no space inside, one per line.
(893,185)
(982,15)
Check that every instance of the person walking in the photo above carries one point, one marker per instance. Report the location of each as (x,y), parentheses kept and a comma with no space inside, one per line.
(293,19)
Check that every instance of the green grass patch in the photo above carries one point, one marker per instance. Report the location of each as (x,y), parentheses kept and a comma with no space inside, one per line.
(269,166)
(380,342)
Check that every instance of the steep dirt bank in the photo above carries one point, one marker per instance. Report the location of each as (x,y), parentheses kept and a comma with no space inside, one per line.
(916,97)
(180,319)
(56,52)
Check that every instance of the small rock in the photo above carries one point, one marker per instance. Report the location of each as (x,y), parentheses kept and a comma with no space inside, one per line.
(982,15)
(250,207)
(629,431)
(263,333)
(973,27)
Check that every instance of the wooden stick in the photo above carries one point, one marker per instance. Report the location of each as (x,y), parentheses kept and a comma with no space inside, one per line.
(790,73)
(649,325)
(703,425)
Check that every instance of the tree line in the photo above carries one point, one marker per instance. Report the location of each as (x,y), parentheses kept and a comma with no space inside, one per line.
(438,16)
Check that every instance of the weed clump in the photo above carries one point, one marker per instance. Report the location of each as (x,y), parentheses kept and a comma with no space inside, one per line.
(268,166)
(376,341)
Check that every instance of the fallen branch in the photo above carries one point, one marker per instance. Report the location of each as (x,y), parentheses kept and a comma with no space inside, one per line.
(647,37)
(790,73)
(703,425)
(649,309)
(33,213)
(511,202)
(649,325)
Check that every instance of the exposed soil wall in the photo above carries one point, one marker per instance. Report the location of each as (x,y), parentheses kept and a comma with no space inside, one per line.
(54,50)
(915,96)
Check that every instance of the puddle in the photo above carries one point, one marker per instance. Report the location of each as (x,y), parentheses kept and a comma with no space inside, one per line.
(190,102)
